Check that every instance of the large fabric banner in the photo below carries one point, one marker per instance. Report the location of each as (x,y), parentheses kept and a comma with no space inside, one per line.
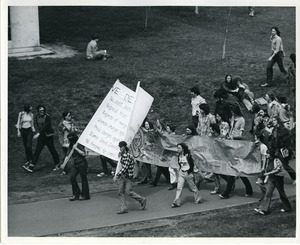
(230,157)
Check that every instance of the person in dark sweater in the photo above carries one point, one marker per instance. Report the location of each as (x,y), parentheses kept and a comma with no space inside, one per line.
(80,166)
(44,137)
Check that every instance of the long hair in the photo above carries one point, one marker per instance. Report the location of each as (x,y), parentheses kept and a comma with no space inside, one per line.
(185,148)
(27,107)
(228,75)
(193,129)
(277,30)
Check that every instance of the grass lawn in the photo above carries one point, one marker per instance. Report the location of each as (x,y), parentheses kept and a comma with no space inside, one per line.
(177,49)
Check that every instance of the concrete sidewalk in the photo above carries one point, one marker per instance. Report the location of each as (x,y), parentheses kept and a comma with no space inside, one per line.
(61,215)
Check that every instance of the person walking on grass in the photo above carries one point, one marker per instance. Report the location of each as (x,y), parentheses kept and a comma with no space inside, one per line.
(80,166)
(25,129)
(275,181)
(92,52)
(276,56)
(44,137)
(124,177)
(186,166)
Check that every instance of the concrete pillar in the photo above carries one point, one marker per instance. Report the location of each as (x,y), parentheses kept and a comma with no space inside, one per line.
(25,34)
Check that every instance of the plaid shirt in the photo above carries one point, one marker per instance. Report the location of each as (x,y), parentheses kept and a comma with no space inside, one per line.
(127,165)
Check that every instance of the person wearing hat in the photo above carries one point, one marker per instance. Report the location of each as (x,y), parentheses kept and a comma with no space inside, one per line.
(124,176)
(44,137)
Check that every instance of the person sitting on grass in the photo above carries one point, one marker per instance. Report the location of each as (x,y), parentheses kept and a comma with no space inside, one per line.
(80,166)
(275,181)
(92,52)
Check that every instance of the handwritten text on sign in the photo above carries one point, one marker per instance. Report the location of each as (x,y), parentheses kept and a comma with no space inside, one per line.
(109,124)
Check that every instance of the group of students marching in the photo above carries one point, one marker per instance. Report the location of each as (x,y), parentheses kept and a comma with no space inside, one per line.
(273,130)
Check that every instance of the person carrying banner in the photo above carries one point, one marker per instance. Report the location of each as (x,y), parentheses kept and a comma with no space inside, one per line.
(44,137)
(80,166)
(124,176)
(204,120)
(215,133)
(186,166)
(146,173)
(104,160)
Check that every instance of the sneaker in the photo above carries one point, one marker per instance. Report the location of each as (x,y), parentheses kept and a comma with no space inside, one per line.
(63,173)
(259,211)
(74,198)
(266,85)
(122,211)
(197,202)
(251,14)
(83,198)
(28,169)
(174,205)
(101,175)
(223,197)
(285,210)
(294,182)
(57,167)
(248,195)
(112,173)
(143,204)
(214,192)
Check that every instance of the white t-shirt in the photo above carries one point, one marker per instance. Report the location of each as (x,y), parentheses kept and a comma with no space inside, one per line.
(184,162)
(196,101)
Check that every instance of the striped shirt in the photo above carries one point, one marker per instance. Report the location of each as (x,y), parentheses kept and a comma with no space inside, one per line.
(127,165)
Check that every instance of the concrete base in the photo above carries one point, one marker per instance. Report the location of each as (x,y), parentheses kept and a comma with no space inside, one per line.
(28,52)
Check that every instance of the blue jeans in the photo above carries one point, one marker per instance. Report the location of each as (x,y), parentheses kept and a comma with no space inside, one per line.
(278,58)
(189,178)
(275,182)
(125,186)
(41,142)
(82,170)
(27,135)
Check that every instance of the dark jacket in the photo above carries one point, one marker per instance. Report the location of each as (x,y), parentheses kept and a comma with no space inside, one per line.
(46,129)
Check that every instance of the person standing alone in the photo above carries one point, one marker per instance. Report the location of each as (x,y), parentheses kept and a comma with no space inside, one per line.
(276,57)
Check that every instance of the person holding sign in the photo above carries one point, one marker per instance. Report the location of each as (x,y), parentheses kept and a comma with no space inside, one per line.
(124,176)
(80,166)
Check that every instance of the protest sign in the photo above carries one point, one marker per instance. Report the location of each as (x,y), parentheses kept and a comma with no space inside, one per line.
(110,122)
(141,108)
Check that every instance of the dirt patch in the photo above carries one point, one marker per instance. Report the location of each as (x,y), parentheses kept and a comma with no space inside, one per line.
(61,51)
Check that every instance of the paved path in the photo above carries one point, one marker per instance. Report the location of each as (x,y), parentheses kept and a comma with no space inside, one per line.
(61,215)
